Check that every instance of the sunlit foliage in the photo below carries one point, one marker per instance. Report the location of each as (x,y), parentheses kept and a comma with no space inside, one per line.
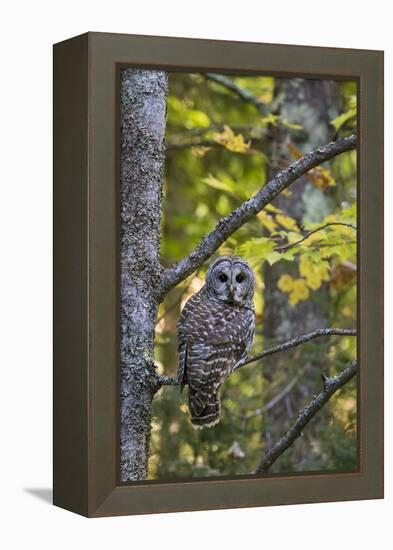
(217,157)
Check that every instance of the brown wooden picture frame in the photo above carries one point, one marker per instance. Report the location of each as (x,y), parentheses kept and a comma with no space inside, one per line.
(86,305)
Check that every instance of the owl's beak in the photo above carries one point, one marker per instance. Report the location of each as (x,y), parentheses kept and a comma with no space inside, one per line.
(231,289)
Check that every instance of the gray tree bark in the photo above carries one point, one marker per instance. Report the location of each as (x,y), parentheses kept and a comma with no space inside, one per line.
(312,103)
(143,120)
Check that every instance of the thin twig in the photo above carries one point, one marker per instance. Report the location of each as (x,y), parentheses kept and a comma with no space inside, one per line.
(276,399)
(297,341)
(248,209)
(318,246)
(241,92)
(330,386)
(290,245)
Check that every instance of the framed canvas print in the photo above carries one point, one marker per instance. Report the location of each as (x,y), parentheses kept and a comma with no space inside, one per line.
(218,249)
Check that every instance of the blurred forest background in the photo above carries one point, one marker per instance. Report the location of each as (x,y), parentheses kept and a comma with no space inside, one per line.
(223,144)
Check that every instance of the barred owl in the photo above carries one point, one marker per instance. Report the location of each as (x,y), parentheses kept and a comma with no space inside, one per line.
(215,329)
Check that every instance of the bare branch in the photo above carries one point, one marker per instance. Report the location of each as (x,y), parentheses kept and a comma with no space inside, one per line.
(241,92)
(290,245)
(163,380)
(228,225)
(297,341)
(330,386)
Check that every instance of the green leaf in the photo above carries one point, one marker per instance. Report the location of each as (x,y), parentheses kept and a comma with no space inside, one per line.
(190,118)
(256,249)
(344,251)
(343,118)
(228,186)
(291,125)
(271,208)
(270,119)
(288,255)
(273,257)
(348,215)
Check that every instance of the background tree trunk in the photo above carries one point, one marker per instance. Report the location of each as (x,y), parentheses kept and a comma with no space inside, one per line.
(311,103)
(143,120)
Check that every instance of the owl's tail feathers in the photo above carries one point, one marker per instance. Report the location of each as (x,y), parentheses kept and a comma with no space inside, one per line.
(204,415)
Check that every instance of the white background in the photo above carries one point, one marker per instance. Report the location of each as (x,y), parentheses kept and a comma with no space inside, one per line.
(28,30)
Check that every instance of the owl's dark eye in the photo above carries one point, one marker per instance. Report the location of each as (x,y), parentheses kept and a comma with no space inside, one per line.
(240,278)
(223,277)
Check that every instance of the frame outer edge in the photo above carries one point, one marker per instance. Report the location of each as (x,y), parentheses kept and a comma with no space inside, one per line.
(105,497)
(70,266)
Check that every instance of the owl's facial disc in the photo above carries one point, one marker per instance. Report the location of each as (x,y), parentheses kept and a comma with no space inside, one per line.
(222,281)
(231,281)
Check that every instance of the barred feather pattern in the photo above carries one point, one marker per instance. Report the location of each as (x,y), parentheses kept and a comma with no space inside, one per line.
(213,337)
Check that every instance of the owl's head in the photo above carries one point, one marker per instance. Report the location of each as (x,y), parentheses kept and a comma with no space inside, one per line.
(230,279)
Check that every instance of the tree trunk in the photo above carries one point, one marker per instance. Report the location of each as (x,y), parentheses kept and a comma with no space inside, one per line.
(143,120)
(312,103)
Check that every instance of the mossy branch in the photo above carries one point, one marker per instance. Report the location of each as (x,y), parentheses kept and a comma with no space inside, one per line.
(248,209)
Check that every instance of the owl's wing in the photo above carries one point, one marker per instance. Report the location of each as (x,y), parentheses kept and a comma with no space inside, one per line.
(207,366)
(181,371)
(213,338)
(186,326)
(249,326)
(223,339)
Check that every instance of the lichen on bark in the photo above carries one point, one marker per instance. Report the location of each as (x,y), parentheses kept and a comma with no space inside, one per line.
(143,119)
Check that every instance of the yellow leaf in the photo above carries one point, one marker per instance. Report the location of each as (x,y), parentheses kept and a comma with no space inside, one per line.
(231,141)
(285,283)
(273,209)
(258,303)
(313,273)
(305,266)
(293,236)
(287,222)
(293,299)
(270,119)
(267,221)
(228,186)
(199,151)
(299,292)
(314,281)
(300,288)
(314,238)
(347,311)
(321,177)
(296,153)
